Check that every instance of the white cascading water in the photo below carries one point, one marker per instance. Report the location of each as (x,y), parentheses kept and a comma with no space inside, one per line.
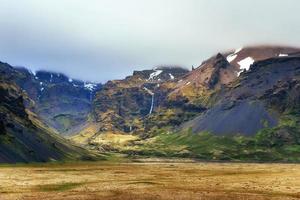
(152,103)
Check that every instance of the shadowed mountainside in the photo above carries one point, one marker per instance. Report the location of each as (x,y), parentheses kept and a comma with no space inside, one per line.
(61,102)
(23,137)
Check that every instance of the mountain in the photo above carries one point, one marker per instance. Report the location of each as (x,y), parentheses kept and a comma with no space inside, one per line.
(255,100)
(124,105)
(248,99)
(237,105)
(152,99)
(23,137)
(222,69)
(61,102)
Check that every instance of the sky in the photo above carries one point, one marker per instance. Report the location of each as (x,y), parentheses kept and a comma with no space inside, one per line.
(99,40)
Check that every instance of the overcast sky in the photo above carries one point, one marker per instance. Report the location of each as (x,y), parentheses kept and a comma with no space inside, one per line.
(107,39)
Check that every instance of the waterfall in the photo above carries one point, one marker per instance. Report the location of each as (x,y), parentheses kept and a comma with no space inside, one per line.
(152,103)
(152,99)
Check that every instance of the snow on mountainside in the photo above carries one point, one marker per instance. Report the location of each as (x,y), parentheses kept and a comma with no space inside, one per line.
(245,64)
(255,100)
(24,137)
(61,102)
(154,74)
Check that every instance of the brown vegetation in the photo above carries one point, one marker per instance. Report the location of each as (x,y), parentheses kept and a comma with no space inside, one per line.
(161,180)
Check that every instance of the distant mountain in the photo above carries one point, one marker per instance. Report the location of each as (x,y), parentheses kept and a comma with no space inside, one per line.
(23,137)
(61,102)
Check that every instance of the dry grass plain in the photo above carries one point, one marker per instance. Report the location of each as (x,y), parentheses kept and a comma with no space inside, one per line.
(150,180)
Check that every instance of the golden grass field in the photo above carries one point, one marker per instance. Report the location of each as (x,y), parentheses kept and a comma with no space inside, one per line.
(150,180)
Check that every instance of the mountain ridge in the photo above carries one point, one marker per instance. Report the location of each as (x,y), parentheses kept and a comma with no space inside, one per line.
(252,93)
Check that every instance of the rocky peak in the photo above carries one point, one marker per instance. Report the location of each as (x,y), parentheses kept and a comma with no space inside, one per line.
(51,77)
(159,74)
(61,102)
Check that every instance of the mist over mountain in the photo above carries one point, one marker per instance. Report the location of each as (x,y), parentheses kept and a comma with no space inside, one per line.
(123,36)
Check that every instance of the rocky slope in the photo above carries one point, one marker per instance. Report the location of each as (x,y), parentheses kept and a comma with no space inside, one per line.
(23,137)
(124,105)
(214,97)
(255,100)
(222,69)
(61,102)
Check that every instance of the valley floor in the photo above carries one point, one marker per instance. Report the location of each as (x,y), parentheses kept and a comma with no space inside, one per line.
(148,179)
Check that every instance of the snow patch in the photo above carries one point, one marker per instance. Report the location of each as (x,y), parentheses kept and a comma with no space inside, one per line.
(70,80)
(238,50)
(32,72)
(42,89)
(245,64)
(283,55)
(51,76)
(90,86)
(155,74)
(41,83)
(188,83)
(171,76)
(232,57)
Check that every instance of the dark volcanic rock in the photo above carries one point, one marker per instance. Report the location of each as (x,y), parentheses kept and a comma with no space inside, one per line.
(244,118)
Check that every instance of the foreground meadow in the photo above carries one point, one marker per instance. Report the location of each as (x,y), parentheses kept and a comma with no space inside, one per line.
(150,180)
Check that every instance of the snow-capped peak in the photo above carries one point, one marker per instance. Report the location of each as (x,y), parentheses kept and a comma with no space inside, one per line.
(171,76)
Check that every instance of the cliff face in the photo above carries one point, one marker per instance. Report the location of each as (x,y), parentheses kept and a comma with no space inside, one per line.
(23,137)
(152,99)
(124,105)
(255,100)
(236,92)
(61,102)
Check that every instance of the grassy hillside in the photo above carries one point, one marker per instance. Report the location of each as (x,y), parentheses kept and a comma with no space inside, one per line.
(277,144)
